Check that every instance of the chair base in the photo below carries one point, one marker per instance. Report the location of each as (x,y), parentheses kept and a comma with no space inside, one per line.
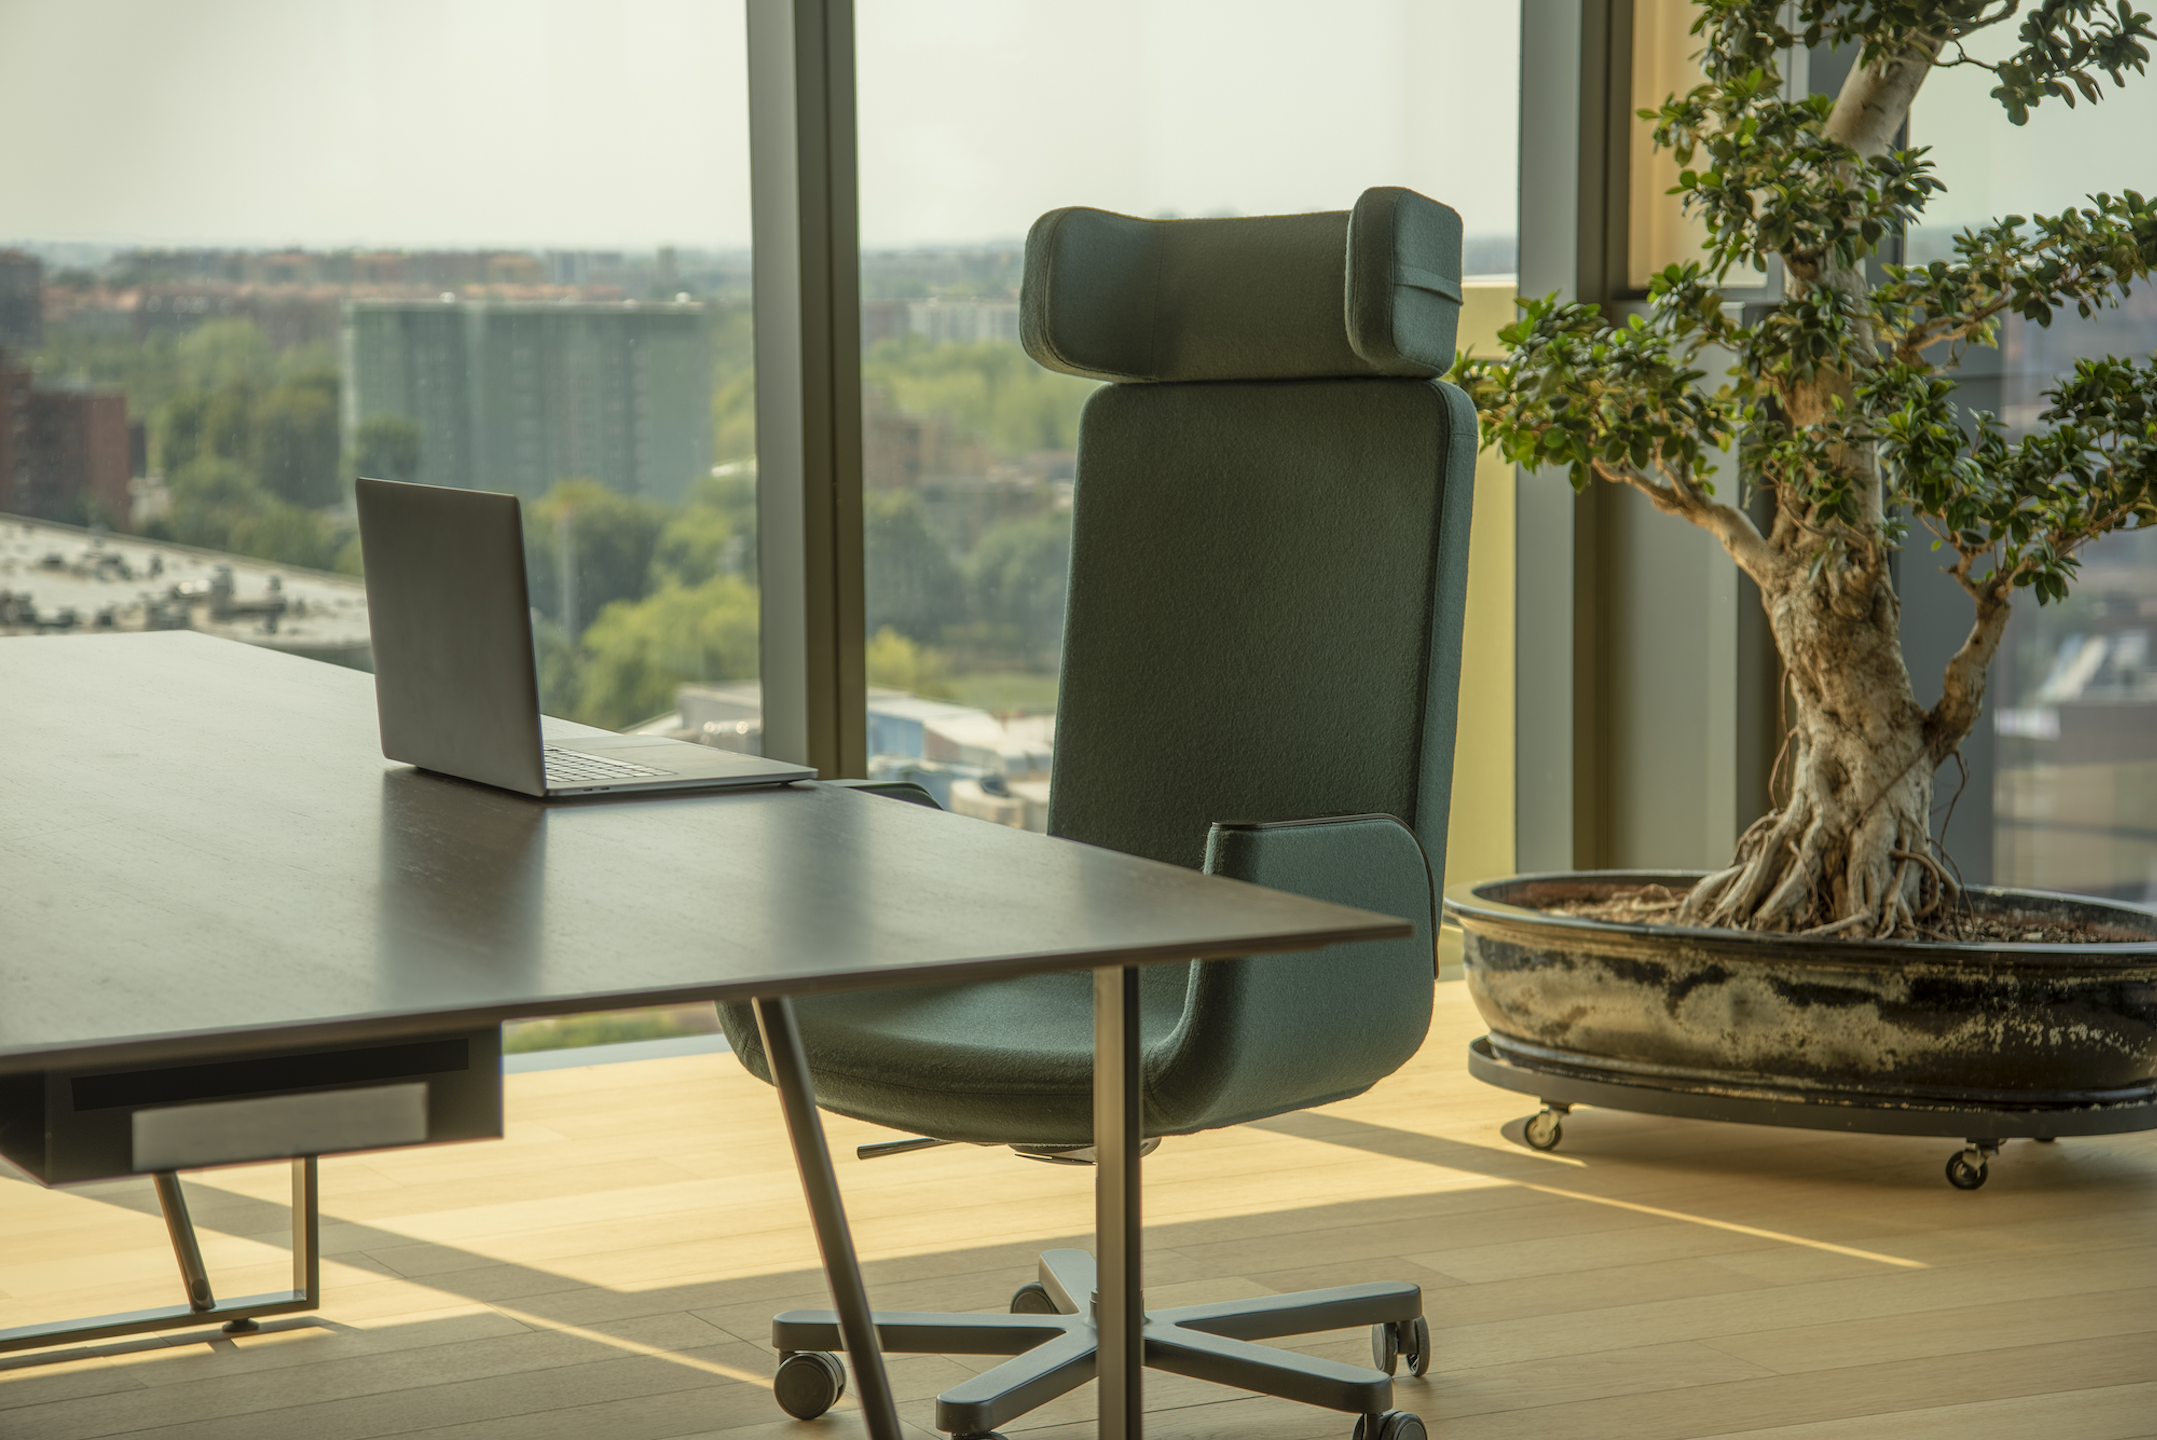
(1054,1354)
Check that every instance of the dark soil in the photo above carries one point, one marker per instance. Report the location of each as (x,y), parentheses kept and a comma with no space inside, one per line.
(1657,904)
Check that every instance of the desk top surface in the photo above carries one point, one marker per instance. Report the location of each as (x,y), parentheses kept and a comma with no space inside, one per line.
(200,842)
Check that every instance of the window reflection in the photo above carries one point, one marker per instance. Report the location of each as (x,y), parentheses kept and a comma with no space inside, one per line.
(2074,691)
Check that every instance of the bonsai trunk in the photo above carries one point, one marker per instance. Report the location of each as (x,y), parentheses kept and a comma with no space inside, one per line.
(1850,850)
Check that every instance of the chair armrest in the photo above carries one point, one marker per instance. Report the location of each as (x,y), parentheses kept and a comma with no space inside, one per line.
(1272,1033)
(905,790)
(1372,862)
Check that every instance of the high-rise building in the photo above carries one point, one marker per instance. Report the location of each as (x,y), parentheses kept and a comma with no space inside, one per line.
(22,301)
(514,396)
(65,453)
(14,430)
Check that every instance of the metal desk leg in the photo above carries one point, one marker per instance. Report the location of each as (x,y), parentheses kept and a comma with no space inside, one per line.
(857,1330)
(202,1308)
(1120,1302)
(180,1229)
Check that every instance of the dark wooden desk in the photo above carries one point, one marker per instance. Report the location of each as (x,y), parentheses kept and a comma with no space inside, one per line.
(204,858)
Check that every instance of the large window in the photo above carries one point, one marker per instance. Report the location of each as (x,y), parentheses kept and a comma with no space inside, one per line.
(2074,692)
(251,248)
(479,243)
(978,116)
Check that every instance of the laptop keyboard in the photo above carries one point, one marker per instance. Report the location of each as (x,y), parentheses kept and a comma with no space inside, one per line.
(574,767)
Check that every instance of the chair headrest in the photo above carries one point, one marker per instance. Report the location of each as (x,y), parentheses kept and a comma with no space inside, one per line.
(1369,291)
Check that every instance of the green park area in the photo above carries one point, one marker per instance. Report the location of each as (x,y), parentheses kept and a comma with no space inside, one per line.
(632,597)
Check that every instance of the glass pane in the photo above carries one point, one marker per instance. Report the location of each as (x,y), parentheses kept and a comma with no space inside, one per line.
(497,244)
(2074,692)
(976,117)
(1660,233)
(479,243)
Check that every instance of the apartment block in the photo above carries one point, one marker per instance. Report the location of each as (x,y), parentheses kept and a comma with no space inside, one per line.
(514,396)
(65,454)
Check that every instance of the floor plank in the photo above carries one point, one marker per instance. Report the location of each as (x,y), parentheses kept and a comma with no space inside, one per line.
(611,1266)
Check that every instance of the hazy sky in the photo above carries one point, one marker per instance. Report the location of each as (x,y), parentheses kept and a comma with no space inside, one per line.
(546,123)
(1993,168)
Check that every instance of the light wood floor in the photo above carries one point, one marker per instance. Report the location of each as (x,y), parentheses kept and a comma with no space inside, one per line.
(610,1269)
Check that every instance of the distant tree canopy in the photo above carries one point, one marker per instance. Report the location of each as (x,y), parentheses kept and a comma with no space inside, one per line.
(894,662)
(387,448)
(284,435)
(637,653)
(219,505)
(993,392)
(914,586)
(714,534)
(296,442)
(669,597)
(610,538)
(1016,579)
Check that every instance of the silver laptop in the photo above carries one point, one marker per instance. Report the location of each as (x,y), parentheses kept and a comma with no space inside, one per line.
(454,678)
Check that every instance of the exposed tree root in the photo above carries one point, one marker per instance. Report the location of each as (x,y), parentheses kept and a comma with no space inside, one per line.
(1849,850)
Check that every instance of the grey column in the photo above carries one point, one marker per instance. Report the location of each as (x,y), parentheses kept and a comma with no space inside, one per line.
(1644,672)
(808,381)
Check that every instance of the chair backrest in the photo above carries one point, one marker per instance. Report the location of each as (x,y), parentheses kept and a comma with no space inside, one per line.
(1270,522)
(1269,561)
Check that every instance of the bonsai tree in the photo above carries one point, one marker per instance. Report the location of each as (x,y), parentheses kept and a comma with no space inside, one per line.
(1841,407)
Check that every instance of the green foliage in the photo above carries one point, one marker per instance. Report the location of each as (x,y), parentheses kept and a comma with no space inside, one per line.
(637,652)
(217,504)
(674,593)
(896,663)
(1838,398)
(914,587)
(220,354)
(1016,578)
(994,392)
(611,537)
(296,442)
(222,394)
(2062,41)
(714,534)
(2026,507)
(1581,393)
(387,448)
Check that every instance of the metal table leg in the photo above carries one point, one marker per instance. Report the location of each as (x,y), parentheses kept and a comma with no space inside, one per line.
(857,1330)
(202,1308)
(1119,1300)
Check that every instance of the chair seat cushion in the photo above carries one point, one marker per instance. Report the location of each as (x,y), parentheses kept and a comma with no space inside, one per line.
(1000,1062)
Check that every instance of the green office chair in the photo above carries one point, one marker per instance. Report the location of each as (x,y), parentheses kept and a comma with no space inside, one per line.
(1268,567)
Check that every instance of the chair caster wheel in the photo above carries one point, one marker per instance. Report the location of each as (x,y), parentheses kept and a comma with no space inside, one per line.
(1966,1169)
(1543,1130)
(1396,1340)
(1392,1425)
(809,1382)
(1032,1299)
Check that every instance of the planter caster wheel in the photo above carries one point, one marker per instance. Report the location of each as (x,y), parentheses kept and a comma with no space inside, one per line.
(1390,1425)
(1396,1340)
(1032,1299)
(1966,1169)
(1544,1128)
(809,1382)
